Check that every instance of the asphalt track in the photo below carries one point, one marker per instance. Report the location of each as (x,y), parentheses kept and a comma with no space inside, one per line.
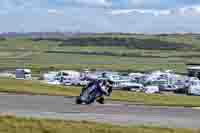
(54,107)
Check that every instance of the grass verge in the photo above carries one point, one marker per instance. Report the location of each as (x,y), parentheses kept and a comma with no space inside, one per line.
(10,124)
(34,87)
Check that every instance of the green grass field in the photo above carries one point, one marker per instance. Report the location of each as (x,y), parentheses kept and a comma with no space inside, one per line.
(24,52)
(34,87)
(10,124)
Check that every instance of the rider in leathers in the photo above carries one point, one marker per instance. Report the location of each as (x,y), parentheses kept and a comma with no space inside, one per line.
(104,86)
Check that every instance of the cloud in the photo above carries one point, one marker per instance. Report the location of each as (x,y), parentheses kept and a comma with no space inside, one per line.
(117,4)
(150,16)
(183,11)
(187,11)
(55,12)
(145,3)
(121,11)
(161,4)
(140,11)
(13,5)
(97,20)
(94,2)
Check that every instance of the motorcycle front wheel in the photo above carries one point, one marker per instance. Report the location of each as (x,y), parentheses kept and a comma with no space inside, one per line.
(78,100)
(101,100)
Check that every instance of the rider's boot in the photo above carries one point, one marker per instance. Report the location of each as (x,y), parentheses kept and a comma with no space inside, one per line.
(101,100)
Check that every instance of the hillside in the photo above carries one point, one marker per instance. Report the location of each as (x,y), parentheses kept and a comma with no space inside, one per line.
(123,52)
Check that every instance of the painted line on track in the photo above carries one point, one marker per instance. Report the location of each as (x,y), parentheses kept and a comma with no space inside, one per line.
(110,104)
(197,108)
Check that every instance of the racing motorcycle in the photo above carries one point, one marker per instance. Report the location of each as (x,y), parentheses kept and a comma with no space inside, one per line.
(94,92)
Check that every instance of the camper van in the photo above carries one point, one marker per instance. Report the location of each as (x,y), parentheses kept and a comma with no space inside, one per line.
(193,70)
(68,75)
(119,82)
(23,74)
(49,76)
(194,87)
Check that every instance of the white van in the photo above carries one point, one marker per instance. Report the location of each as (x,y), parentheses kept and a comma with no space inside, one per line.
(194,87)
(50,76)
(69,74)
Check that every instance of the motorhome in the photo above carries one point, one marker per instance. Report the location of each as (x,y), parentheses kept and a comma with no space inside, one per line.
(194,87)
(119,82)
(193,70)
(23,74)
(151,77)
(76,82)
(135,75)
(50,76)
(68,75)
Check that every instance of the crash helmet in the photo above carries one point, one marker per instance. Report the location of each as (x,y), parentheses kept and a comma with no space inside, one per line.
(104,75)
(110,81)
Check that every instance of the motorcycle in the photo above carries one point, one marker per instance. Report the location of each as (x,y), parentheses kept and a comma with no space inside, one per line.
(92,93)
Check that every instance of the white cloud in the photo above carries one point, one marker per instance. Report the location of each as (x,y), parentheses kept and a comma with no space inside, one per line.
(121,11)
(140,11)
(94,2)
(187,11)
(144,2)
(55,12)
(149,4)
(183,11)
(162,4)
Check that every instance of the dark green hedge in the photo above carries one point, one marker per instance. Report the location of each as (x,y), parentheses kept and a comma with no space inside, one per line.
(127,42)
(130,42)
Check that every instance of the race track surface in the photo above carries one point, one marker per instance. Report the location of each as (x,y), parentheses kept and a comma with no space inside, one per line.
(54,107)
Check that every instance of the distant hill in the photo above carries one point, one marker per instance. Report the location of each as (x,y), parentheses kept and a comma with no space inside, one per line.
(77,34)
(131,40)
(46,34)
(34,34)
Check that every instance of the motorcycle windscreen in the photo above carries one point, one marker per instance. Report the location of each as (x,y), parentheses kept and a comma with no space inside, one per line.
(88,93)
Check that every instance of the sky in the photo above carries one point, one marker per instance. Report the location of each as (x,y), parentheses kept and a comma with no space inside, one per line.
(135,16)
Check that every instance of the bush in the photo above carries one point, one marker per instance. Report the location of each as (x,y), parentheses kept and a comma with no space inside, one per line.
(2,39)
(129,42)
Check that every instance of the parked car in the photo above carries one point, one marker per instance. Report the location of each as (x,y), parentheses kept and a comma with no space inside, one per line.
(83,82)
(53,82)
(131,86)
(168,87)
(67,82)
(151,89)
(23,74)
